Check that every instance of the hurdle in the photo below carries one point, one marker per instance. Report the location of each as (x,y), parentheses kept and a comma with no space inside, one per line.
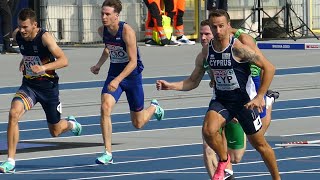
(299,143)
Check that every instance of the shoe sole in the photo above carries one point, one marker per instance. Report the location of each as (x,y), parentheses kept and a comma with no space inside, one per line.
(99,162)
(9,172)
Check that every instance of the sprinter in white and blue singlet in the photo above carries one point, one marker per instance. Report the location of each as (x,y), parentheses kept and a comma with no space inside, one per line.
(235,91)
(124,75)
(41,57)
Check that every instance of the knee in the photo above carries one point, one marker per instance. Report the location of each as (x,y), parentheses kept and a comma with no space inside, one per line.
(106,109)
(235,159)
(208,132)
(14,116)
(261,146)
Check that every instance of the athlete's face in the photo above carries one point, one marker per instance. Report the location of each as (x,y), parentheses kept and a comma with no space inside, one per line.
(108,16)
(27,29)
(220,27)
(205,35)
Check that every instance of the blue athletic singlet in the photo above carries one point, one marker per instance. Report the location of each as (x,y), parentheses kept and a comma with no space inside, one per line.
(234,88)
(40,87)
(119,59)
(118,53)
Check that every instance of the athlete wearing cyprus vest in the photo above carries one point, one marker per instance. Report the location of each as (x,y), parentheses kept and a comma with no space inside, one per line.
(235,93)
(235,78)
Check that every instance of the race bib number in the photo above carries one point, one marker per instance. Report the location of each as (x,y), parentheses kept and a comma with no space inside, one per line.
(257,123)
(31,61)
(225,79)
(117,54)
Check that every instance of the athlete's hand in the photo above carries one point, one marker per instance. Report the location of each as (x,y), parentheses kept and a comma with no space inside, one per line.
(95,69)
(113,85)
(38,69)
(162,85)
(257,102)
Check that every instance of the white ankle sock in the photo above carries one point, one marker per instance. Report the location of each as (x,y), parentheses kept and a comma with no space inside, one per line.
(269,101)
(12,161)
(73,125)
(109,154)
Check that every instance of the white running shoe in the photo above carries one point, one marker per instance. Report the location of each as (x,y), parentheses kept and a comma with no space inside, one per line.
(184,40)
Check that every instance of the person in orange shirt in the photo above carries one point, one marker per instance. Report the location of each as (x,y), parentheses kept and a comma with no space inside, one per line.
(154,20)
(175,10)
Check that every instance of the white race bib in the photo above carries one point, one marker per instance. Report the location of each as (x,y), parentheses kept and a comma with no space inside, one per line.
(225,79)
(117,54)
(31,61)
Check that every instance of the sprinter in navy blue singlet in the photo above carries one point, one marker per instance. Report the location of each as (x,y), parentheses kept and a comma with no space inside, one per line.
(41,57)
(235,92)
(124,75)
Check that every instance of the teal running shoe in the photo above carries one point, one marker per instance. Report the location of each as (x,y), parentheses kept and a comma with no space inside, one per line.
(159,113)
(76,131)
(104,159)
(7,168)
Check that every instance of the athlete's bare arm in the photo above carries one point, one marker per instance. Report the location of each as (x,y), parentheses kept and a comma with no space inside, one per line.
(61,59)
(245,53)
(188,84)
(104,56)
(129,37)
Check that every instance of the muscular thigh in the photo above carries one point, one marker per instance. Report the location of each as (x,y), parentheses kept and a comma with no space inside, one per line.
(117,93)
(221,109)
(135,94)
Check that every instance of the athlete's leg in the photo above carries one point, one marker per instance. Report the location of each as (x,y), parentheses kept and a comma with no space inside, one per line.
(107,105)
(236,141)
(16,111)
(259,142)
(135,96)
(210,130)
(56,125)
(209,159)
(251,124)
(108,101)
(23,101)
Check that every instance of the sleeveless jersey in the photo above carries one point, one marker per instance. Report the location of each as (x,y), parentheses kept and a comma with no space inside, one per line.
(232,78)
(33,53)
(118,53)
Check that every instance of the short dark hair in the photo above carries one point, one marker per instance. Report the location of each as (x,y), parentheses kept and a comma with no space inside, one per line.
(219,13)
(27,13)
(205,22)
(116,4)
